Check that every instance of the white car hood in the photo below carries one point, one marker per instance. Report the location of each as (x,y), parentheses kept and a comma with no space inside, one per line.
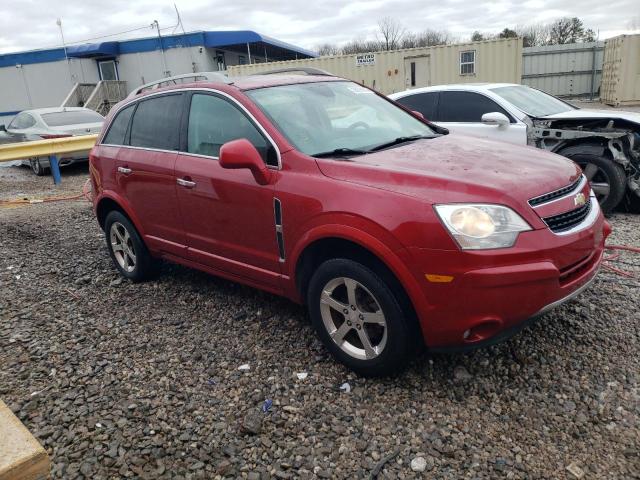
(588,113)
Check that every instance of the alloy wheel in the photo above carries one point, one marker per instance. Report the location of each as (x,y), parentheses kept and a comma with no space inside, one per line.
(36,166)
(122,246)
(598,179)
(353,318)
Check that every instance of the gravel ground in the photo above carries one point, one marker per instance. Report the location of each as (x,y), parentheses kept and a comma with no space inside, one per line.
(121,380)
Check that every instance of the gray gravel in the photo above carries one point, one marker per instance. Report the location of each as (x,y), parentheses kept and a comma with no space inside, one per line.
(121,380)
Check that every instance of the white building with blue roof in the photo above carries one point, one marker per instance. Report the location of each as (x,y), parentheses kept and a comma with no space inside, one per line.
(44,78)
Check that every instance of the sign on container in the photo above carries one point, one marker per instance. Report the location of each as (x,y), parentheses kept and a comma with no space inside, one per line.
(366,59)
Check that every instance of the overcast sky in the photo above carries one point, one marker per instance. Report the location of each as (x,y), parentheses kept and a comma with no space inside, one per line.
(31,24)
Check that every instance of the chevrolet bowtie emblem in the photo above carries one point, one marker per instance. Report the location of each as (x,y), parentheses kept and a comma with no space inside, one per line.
(579,200)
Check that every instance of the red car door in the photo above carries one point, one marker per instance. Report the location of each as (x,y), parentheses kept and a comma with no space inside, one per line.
(145,173)
(228,218)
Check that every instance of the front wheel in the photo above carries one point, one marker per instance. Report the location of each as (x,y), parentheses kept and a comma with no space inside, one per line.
(608,179)
(37,167)
(359,319)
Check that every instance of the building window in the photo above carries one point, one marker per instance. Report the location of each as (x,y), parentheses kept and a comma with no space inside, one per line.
(242,60)
(413,74)
(468,62)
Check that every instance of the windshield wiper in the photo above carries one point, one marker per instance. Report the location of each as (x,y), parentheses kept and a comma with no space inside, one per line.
(398,141)
(340,152)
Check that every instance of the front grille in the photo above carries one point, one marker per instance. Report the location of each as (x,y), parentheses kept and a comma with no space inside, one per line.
(547,197)
(568,220)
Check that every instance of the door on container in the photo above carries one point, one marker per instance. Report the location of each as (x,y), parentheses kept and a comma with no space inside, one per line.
(461,112)
(228,217)
(417,72)
(145,171)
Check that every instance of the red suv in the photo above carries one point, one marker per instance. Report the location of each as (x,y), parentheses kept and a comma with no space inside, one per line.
(395,234)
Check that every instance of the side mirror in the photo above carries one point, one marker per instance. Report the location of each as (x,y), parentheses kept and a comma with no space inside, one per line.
(242,154)
(418,114)
(495,118)
(3,128)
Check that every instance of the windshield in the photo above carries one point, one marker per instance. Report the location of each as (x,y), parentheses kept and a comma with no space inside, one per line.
(71,117)
(341,117)
(531,101)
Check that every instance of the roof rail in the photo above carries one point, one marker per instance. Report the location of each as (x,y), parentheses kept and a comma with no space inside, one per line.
(305,70)
(184,78)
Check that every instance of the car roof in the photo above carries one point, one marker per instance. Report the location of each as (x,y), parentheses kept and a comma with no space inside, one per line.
(251,82)
(471,87)
(274,80)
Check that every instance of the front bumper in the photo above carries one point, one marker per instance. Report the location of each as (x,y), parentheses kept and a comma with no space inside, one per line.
(494,292)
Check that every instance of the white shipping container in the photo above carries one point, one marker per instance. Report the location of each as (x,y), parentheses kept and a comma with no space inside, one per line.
(398,70)
(621,71)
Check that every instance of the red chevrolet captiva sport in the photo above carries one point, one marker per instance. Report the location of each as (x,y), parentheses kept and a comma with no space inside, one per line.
(394,234)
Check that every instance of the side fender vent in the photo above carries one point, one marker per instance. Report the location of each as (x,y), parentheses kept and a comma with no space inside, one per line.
(277,214)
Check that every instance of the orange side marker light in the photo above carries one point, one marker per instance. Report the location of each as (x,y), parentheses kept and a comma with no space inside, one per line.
(438,278)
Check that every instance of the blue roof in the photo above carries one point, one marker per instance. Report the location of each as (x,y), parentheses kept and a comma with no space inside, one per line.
(217,39)
(88,50)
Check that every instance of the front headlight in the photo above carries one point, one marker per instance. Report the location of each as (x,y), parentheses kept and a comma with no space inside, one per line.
(479,226)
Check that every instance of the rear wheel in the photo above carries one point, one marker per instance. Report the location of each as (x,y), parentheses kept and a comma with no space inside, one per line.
(127,250)
(37,167)
(608,179)
(359,319)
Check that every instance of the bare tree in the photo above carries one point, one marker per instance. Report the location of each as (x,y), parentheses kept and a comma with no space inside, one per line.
(391,32)
(328,49)
(534,35)
(361,46)
(427,38)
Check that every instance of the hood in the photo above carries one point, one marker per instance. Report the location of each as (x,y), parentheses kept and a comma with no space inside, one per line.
(457,168)
(588,113)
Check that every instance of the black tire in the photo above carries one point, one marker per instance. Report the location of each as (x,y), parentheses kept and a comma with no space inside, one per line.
(399,346)
(37,168)
(145,266)
(600,170)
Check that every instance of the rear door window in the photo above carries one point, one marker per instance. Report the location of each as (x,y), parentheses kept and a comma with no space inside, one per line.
(214,121)
(156,123)
(118,128)
(466,107)
(425,103)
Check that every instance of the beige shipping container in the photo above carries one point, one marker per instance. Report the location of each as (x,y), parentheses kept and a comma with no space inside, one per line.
(398,70)
(621,71)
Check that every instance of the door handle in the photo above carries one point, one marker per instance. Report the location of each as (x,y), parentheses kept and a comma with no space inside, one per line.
(186,183)
(124,170)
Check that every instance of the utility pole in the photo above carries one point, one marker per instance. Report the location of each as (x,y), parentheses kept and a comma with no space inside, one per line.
(156,25)
(64,47)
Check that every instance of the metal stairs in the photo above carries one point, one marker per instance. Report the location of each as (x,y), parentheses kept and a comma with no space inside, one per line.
(99,96)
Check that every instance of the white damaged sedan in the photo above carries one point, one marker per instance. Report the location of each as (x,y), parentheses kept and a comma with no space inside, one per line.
(605,143)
